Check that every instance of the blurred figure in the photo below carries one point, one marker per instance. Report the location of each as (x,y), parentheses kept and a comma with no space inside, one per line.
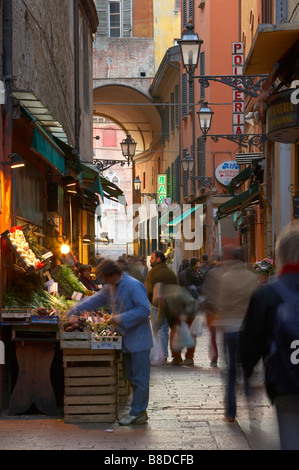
(236,286)
(258,332)
(194,278)
(210,304)
(159,272)
(84,272)
(177,304)
(182,280)
(127,299)
(143,267)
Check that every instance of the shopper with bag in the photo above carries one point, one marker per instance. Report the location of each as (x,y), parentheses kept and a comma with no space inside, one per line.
(159,273)
(179,309)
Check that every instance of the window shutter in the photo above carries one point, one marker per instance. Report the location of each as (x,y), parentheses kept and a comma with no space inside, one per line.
(127,18)
(166,111)
(192,180)
(191,95)
(184,95)
(172,112)
(201,158)
(177,178)
(185,178)
(176,99)
(202,72)
(102,10)
(184,13)
(191,10)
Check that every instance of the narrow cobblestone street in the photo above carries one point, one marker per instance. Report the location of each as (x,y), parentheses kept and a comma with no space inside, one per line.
(186,412)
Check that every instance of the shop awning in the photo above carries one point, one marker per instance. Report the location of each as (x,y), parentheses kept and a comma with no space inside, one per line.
(40,112)
(239,179)
(183,216)
(270,43)
(239,202)
(72,160)
(112,191)
(45,145)
(91,180)
(47,148)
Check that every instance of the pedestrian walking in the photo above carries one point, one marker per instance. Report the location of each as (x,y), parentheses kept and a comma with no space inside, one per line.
(159,273)
(236,287)
(194,278)
(210,305)
(176,304)
(128,303)
(271,331)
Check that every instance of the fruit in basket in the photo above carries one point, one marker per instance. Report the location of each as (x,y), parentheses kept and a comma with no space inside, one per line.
(42,311)
(79,325)
(20,244)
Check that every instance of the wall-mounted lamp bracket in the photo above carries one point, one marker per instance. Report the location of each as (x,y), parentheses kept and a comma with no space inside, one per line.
(244,83)
(243,140)
(103,165)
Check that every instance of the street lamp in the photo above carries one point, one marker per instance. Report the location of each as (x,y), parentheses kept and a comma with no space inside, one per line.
(128,147)
(205,115)
(16,161)
(190,45)
(188,163)
(137,186)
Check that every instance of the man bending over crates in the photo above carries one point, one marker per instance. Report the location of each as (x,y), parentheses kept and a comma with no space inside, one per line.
(128,302)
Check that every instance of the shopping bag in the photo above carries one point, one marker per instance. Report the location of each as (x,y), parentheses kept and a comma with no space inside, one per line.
(182,337)
(156,354)
(196,327)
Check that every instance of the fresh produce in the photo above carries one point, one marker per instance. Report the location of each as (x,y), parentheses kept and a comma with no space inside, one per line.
(80,325)
(105,328)
(20,244)
(68,274)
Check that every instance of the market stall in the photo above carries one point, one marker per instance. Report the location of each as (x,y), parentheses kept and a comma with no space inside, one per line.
(34,316)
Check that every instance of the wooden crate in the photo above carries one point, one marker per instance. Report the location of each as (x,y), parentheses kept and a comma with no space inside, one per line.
(90,386)
(75,339)
(124,386)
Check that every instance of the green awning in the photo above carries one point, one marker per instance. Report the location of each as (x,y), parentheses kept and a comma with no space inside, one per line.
(112,191)
(72,160)
(45,145)
(239,179)
(183,216)
(239,202)
(91,180)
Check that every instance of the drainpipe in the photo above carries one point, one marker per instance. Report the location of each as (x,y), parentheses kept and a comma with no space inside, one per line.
(77,106)
(7,148)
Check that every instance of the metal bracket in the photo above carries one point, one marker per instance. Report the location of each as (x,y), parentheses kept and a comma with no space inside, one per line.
(243,140)
(244,83)
(103,165)
(205,181)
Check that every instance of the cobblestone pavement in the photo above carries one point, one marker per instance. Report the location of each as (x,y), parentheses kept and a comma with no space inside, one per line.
(186,412)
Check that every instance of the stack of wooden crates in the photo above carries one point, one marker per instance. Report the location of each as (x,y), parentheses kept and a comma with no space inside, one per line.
(93,380)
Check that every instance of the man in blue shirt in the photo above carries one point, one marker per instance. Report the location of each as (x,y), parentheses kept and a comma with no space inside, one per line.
(129,306)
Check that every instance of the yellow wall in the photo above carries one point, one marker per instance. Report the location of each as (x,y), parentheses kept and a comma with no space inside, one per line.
(167,27)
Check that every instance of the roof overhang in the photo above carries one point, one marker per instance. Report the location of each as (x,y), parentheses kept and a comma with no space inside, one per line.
(40,113)
(270,43)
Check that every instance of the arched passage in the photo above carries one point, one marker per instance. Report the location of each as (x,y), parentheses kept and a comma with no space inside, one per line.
(132,110)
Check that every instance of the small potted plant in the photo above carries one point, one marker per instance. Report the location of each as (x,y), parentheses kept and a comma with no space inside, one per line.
(264,269)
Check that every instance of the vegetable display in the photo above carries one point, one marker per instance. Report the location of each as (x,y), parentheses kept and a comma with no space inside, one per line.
(105,328)
(20,244)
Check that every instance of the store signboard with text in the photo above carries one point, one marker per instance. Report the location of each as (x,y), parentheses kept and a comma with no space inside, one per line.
(226,171)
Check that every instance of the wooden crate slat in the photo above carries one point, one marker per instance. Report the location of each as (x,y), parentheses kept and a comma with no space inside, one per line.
(89,390)
(89,409)
(89,372)
(90,352)
(74,343)
(89,399)
(90,381)
(103,418)
(87,358)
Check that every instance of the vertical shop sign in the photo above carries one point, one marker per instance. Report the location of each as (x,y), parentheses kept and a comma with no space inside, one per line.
(161,187)
(238,95)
